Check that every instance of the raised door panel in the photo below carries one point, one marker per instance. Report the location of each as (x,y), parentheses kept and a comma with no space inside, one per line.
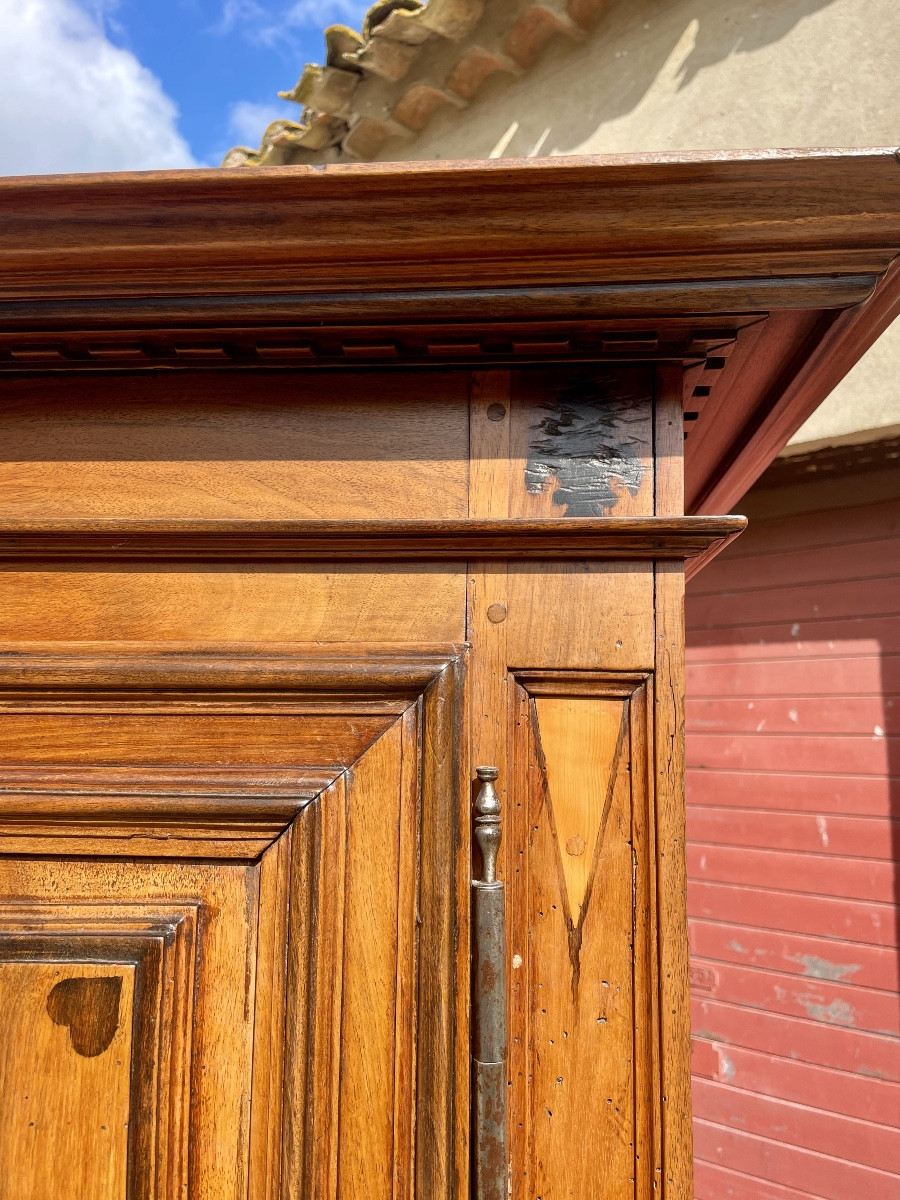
(159,988)
(226,905)
(89,1044)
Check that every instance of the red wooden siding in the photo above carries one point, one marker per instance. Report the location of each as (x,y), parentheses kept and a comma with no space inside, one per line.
(793,752)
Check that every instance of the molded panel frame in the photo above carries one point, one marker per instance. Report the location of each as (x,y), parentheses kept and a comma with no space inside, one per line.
(269,820)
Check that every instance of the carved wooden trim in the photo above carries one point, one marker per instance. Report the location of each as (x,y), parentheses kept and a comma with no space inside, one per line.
(612,685)
(263,677)
(213,541)
(291,345)
(294,346)
(132,811)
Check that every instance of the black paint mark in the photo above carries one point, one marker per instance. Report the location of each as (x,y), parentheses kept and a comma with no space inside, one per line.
(90,1010)
(590,442)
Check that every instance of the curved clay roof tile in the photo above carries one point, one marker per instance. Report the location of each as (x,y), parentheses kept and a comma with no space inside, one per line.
(410,59)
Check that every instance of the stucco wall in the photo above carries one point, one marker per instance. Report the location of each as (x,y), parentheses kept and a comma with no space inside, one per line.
(707,75)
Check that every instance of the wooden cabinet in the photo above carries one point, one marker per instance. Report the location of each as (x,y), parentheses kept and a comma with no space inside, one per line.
(236,783)
(278,572)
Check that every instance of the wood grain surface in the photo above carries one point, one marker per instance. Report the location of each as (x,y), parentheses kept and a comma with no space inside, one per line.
(234,603)
(256,631)
(521,222)
(217,1003)
(203,447)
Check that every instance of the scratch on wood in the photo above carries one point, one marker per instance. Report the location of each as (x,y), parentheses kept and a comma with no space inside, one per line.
(589,443)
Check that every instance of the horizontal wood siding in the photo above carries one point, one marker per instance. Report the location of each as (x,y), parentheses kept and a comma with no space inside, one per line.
(793,785)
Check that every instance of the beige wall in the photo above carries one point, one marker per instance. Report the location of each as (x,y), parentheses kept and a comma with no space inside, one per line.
(707,75)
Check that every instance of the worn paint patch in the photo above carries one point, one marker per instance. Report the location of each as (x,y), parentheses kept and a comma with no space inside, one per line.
(89,1008)
(822,827)
(872,1073)
(838,1012)
(588,445)
(727,1070)
(821,968)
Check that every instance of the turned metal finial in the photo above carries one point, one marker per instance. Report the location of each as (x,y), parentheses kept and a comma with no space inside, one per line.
(487,822)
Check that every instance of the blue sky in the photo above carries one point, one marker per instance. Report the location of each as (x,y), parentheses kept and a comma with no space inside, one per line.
(119,84)
(217,58)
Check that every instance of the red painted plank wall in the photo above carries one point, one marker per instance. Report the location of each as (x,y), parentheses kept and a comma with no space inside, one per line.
(793,752)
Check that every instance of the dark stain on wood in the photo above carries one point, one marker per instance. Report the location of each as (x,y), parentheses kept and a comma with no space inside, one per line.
(587,444)
(89,1008)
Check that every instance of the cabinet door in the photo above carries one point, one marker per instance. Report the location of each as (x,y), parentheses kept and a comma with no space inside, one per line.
(229,908)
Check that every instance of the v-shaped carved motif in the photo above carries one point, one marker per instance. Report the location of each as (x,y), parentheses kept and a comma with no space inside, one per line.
(579,745)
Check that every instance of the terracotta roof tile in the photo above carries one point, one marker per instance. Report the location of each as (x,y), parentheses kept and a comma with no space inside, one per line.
(409,60)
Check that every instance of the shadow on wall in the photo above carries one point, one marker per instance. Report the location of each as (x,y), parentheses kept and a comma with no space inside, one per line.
(632,48)
(759,25)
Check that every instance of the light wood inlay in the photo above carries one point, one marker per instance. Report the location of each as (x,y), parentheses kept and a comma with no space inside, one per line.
(580,745)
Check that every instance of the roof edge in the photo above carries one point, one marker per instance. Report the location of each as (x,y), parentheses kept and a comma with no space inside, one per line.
(410,60)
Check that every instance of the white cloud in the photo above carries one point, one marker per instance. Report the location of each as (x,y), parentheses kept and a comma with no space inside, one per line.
(70,100)
(313,12)
(236,13)
(267,25)
(248,121)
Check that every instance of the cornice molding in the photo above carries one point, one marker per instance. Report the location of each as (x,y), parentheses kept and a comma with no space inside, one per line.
(395,265)
(582,538)
(372,228)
